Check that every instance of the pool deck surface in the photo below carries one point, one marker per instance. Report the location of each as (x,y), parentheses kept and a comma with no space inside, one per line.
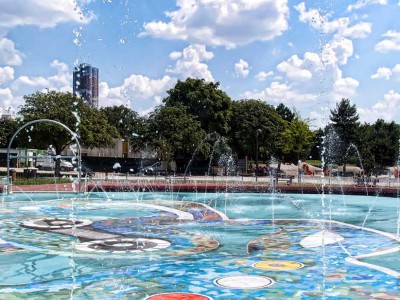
(211,187)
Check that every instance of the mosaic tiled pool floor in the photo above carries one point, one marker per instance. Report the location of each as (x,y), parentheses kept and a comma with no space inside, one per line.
(182,250)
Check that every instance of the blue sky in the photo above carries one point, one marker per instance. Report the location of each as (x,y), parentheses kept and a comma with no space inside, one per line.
(305,54)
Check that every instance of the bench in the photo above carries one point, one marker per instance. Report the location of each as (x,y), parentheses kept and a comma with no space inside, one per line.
(287,178)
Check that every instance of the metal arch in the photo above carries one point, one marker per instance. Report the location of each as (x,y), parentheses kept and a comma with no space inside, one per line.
(47,121)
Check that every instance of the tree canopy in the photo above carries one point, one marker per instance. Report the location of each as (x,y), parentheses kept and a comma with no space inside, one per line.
(174,132)
(379,144)
(345,124)
(7,130)
(345,120)
(204,101)
(251,117)
(90,124)
(297,140)
(285,112)
(125,120)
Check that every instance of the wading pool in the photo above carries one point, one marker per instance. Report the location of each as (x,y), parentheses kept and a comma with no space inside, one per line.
(199,246)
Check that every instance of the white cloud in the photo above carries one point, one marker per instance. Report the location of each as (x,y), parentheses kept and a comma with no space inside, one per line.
(345,88)
(386,109)
(190,62)
(242,68)
(384,73)
(6,74)
(363,3)
(35,82)
(387,73)
(110,97)
(340,48)
(63,79)
(60,81)
(323,68)
(8,54)
(141,92)
(261,76)
(25,85)
(175,55)
(305,76)
(341,25)
(396,70)
(295,68)
(338,51)
(360,30)
(281,93)
(391,43)
(43,14)
(59,66)
(222,23)
(318,21)
(6,98)
(143,87)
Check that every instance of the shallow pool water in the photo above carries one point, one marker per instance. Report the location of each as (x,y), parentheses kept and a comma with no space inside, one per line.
(201,246)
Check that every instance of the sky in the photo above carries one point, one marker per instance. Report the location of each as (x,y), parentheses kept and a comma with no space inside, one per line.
(307,55)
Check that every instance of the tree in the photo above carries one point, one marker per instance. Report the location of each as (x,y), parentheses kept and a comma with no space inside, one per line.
(345,123)
(7,129)
(94,129)
(203,100)
(365,146)
(297,140)
(285,112)
(385,144)
(379,144)
(90,124)
(317,144)
(254,117)
(125,120)
(174,132)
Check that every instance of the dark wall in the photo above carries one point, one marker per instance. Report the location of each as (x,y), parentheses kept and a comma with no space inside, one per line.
(128,165)
(105,164)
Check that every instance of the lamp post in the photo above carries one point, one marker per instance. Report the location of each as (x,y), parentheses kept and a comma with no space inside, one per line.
(257,133)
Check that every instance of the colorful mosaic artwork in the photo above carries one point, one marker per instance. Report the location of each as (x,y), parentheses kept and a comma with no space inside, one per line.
(160,249)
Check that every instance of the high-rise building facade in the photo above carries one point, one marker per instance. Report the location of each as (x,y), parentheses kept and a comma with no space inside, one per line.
(86,84)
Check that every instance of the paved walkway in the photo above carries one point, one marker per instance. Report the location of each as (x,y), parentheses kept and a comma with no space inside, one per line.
(259,187)
(386,186)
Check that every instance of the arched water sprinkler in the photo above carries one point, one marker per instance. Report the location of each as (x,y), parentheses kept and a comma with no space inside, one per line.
(46,121)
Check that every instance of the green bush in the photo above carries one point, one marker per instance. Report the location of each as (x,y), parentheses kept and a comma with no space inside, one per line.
(40,180)
(314,162)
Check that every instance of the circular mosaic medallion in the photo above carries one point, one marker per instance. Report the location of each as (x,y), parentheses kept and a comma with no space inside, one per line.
(123,245)
(244,282)
(55,223)
(178,296)
(278,265)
